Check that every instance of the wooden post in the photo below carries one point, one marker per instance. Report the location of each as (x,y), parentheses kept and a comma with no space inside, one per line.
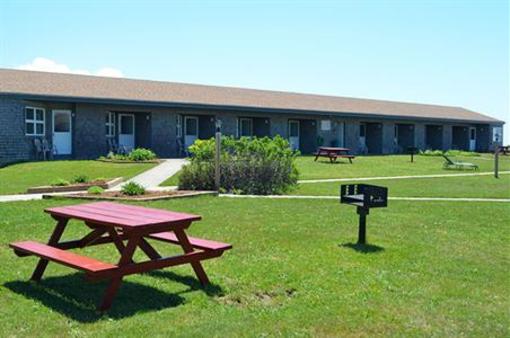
(496,162)
(217,158)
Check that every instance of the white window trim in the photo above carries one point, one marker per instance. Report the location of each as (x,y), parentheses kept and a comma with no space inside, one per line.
(179,126)
(110,124)
(241,119)
(34,121)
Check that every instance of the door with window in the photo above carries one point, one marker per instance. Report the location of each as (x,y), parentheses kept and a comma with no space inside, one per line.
(294,134)
(472,139)
(190,130)
(362,136)
(127,131)
(62,132)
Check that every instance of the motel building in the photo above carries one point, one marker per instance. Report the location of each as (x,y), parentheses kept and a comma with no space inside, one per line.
(81,116)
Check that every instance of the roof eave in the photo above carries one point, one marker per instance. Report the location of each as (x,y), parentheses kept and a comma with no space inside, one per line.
(77,99)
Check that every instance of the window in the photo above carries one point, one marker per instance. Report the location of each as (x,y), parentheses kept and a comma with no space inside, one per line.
(362,130)
(110,124)
(245,127)
(178,131)
(497,134)
(34,121)
(325,125)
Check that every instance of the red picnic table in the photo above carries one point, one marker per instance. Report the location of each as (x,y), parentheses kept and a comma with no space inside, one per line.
(333,153)
(118,223)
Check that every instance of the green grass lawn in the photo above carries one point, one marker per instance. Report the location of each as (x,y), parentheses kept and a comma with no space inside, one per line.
(390,165)
(17,178)
(434,269)
(473,186)
(172,181)
(371,166)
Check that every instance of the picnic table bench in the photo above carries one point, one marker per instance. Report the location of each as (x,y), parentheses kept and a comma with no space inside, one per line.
(128,228)
(333,153)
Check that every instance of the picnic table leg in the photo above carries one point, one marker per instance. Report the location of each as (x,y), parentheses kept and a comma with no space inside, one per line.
(350,160)
(116,280)
(317,156)
(54,239)
(197,266)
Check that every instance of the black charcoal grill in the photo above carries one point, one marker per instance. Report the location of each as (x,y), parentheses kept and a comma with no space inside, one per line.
(364,197)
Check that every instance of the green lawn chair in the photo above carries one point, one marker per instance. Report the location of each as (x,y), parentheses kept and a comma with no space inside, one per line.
(449,164)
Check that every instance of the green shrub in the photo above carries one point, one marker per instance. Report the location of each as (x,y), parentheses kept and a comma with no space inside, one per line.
(95,190)
(429,152)
(80,179)
(60,182)
(461,153)
(137,155)
(132,189)
(450,152)
(141,154)
(259,166)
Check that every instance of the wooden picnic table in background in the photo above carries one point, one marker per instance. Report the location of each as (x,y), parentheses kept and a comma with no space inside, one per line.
(118,223)
(333,153)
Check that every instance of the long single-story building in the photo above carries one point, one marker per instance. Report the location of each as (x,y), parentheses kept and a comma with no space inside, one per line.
(81,116)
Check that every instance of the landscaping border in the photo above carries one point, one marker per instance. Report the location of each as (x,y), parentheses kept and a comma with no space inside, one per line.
(73,187)
(130,199)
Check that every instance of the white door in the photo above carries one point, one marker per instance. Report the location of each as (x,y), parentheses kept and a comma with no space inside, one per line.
(62,132)
(362,135)
(472,139)
(190,130)
(294,134)
(127,131)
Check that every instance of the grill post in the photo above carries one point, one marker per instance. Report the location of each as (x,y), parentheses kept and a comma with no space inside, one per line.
(362,232)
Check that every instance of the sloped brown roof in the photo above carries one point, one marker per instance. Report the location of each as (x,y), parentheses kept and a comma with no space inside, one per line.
(104,88)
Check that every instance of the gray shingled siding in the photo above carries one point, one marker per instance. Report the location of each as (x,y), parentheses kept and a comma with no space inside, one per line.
(14,145)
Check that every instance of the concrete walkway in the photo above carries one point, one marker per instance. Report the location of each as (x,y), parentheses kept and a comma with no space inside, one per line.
(152,178)
(446,199)
(485,173)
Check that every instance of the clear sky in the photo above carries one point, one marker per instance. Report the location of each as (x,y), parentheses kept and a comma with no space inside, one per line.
(442,52)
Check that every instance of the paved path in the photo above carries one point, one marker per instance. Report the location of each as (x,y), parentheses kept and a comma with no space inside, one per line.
(485,173)
(152,178)
(449,199)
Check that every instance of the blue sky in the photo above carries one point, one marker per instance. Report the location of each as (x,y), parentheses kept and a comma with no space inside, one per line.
(442,52)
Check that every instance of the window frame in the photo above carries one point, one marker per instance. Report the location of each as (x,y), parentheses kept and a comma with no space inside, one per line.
(240,131)
(34,121)
(110,124)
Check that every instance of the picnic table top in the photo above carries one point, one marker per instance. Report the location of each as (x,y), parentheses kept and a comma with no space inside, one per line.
(115,214)
(334,149)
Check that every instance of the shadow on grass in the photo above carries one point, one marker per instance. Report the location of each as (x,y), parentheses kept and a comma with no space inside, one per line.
(211,290)
(73,297)
(332,163)
(364,248)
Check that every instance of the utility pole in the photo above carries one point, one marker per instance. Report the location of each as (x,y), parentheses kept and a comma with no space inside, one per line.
(217,158)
